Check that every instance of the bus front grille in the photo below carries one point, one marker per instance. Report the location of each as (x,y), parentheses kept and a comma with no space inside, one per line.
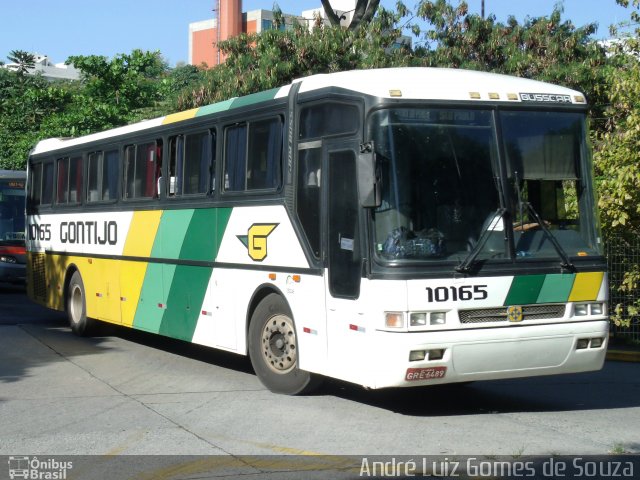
(499,314)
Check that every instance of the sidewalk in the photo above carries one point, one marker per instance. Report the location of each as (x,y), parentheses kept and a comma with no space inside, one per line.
(619,352)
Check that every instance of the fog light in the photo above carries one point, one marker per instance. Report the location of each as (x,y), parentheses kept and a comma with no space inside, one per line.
(582,343)
(596,342)
(596,309)
(438,318)
(394,320)
(436,354)
(581,309)
(418,319)
(417,355)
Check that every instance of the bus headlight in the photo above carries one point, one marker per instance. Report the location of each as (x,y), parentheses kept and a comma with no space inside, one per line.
(418,319)
(8,259)
(581,309)
(438,318)
(596,309)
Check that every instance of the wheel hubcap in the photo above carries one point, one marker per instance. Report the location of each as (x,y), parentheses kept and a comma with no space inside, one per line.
(75,304)
(279,344)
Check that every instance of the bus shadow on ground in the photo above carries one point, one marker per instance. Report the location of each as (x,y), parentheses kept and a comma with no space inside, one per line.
(193,351)
(616,386)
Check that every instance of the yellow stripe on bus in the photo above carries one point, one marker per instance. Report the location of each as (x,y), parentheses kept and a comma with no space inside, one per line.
(586,286)
(178,117)
(142,234)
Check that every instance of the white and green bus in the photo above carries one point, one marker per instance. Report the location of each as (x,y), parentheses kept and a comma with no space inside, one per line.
(390,228)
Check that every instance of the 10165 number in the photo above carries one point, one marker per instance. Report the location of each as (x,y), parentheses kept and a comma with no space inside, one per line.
(463,293)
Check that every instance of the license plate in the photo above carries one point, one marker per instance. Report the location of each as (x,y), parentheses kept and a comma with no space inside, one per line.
(428,373)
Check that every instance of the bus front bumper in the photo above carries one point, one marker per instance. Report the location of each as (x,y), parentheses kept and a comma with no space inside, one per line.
(487,353)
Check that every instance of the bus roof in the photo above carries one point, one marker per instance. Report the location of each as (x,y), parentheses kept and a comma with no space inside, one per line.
(409,83)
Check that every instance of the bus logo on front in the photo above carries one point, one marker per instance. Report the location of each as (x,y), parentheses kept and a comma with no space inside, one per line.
(514,314)
(256,240)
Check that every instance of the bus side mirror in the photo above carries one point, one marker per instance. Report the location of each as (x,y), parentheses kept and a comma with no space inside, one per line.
(368,181)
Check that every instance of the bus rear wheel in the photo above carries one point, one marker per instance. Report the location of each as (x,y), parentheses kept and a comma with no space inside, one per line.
(273,349)
(77,306)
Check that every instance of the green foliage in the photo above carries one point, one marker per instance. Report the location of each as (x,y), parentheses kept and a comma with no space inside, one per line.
(24,60)
(543,48)
(111,93)
(276,57)
(616,162)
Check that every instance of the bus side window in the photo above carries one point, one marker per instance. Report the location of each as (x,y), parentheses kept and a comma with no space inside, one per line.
(47,184)
(142,170)
(235,158)
(265,154)
(35,189)
(69,184)
(253,155)
(102,181)
(190,160)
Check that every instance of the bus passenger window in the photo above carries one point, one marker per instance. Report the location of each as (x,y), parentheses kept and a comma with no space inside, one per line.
(35,189)
(196,163)
(190,159)
(235,158)
(69,180)
(63,180)
(265,154)
(102,183)
(47,184)
(259,166)
(142,170)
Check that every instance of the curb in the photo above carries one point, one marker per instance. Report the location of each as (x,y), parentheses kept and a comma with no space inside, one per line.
(623,356)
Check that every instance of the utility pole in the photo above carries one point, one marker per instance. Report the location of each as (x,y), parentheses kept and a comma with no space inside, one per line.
(482,9)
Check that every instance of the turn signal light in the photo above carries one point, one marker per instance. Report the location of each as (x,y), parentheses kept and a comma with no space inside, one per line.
(394,320)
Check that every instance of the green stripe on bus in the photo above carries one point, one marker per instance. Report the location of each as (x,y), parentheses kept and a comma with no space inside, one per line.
(215,108)
(203,237)
(152,298)
(525,289)
(255,98)
(556,288)
(188,289)
(171,233)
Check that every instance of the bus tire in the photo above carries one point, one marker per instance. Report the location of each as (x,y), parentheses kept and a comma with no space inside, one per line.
(273,349)
(77,306)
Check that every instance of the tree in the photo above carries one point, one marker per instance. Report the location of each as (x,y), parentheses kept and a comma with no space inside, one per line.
(276,57)
(616,145)
(25,61)
(543,48)
(363,13)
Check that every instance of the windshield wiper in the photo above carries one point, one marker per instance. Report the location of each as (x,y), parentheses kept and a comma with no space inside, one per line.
(566,263)
(469,260)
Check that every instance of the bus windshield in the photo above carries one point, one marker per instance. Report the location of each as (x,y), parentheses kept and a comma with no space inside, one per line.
(441,185)
(12,195)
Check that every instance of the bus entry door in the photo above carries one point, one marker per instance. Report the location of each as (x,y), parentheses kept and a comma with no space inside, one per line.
(343,258)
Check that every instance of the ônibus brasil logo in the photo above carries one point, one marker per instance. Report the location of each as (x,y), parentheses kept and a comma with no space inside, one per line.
(35,468)
(256,240)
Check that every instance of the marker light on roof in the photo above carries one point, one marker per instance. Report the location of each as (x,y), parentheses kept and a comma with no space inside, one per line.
(395,93)
(474,95)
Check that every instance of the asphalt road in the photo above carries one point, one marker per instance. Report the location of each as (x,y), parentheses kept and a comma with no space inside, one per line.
(129,393)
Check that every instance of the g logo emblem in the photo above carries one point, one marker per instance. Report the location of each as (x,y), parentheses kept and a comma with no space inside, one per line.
(514,314)
(256,240)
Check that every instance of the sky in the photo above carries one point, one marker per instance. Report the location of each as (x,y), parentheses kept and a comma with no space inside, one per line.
(61,28)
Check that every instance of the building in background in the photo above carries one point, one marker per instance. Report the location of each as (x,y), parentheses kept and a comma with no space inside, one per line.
(205,35)
(49,70)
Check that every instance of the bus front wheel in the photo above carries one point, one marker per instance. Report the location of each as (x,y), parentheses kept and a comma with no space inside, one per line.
(273,349)
(77,306)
